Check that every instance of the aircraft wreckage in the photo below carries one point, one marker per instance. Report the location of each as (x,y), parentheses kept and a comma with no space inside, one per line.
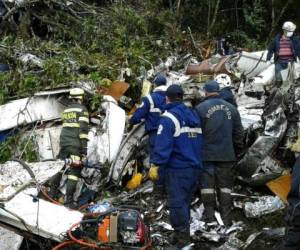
(117,218)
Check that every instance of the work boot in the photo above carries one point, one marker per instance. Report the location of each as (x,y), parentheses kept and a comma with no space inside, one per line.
(54,185)
(179,240)
(226,212)
(208,214)
(71,189)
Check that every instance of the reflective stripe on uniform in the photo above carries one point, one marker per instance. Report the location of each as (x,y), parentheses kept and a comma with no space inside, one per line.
(175,122)
(83,136)
(71,125)
(207,191)
(191,130)
(73,110)
(152,108)
(75,157)
(72,177)
(84,119)
(225,190)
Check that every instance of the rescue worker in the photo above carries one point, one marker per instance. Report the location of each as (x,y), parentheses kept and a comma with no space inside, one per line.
(178,149)
(292,237)
(223,139)
(225,88)
(73,140)
(286,50)
(150,110)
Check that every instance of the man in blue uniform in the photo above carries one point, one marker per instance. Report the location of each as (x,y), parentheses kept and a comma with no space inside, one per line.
(292,237)
(225,88)
(150,111)
(223,139)
(178,149)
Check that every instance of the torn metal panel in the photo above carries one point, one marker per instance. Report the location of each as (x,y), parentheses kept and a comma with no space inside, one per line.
(9,240)
(104,145)
(247,64)
(127,149)
(264,205)
(47,142)
(39,217)
(13,177)
(29,110)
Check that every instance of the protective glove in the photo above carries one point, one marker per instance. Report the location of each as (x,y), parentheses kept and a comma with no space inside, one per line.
(135,181)
(153,172)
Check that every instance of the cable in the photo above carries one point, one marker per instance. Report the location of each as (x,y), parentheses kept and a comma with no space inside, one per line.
(78,241)
(49,198)
(63,244)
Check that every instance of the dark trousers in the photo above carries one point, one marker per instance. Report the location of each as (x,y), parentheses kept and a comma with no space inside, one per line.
(73,174)
(292,237)
(180,185)
(217,178)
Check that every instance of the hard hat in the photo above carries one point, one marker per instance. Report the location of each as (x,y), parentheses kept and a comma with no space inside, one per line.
(174,91)
(223,80)
(289,27)
(160,80)
(77,93)
(211,86)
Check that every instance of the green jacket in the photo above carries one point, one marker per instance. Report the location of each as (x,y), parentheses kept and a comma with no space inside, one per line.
(74,134)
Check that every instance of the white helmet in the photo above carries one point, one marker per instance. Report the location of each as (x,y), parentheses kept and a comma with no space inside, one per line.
(223,80)
(289,26)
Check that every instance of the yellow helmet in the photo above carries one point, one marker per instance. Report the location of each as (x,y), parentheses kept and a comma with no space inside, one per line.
(77,93)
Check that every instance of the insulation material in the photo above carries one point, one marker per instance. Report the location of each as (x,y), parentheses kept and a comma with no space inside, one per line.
(9,240)
(13,177)
(104,145)
(28,110)
(41,217)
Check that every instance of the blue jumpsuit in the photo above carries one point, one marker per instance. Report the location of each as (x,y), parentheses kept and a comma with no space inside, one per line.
(150,110)
(227,95)
(178,149)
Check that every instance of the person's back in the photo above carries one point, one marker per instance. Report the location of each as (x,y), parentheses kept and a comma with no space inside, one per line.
(185,149)
(218,120)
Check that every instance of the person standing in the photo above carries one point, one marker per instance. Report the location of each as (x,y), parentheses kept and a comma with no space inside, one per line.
(178,149)
(150,111)
(286,50)
(223,139)
(225,88)
(73,140)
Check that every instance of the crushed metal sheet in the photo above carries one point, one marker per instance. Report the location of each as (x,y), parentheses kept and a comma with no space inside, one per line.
(264,205)
(28,110)
(14,177)
(40,217)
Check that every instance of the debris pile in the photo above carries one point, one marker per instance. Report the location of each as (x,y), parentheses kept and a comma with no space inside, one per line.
(135,215)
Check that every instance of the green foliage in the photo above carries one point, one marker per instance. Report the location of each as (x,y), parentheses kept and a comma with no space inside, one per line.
(7,148)
(23,145)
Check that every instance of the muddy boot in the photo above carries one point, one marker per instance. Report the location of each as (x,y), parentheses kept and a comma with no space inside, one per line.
(208,214)
(226,208)
(179,240)
(54,185)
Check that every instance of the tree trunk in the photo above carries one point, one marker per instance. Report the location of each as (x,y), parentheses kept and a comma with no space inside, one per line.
(214,18)
(279,17)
